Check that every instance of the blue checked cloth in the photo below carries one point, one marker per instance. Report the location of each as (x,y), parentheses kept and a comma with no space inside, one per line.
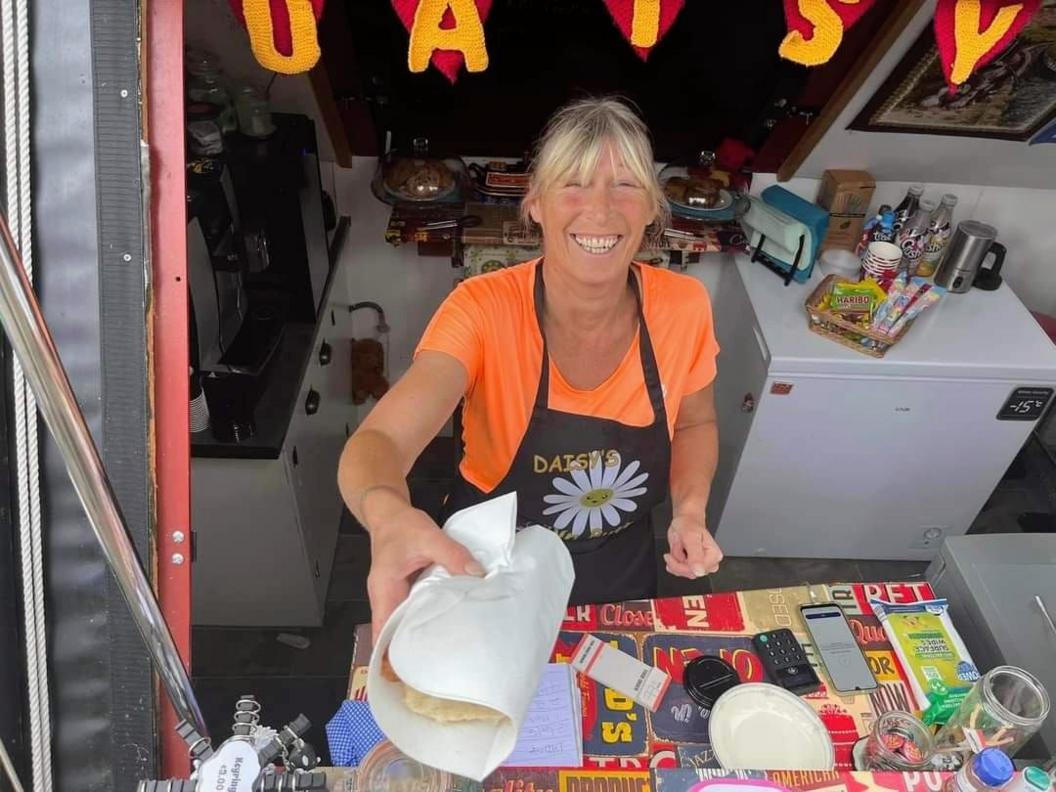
(351,734)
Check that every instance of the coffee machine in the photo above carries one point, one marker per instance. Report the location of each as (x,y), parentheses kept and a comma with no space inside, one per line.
(258,263)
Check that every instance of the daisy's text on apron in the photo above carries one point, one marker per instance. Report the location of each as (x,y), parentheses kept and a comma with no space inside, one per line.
(564,463)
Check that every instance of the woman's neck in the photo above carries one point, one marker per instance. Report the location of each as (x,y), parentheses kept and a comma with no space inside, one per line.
(570,305)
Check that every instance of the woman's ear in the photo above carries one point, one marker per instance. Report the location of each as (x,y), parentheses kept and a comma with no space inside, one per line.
(533,209)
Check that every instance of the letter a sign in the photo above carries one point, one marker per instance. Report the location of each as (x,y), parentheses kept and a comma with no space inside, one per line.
(446,33)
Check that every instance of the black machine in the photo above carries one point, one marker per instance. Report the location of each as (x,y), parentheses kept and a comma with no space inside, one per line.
(257,261)
(785,661)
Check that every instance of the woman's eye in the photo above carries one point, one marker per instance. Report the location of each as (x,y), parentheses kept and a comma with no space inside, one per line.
(626,183)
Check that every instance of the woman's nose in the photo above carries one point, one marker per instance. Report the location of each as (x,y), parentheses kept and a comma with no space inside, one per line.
(599,200)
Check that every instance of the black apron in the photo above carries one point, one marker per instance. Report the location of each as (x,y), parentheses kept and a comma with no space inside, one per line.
(593,481)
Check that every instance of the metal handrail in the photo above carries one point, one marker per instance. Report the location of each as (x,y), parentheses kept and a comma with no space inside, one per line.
(31,340)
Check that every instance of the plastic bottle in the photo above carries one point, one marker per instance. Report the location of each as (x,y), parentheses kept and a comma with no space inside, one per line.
(986,771)
(939,230)
(1032,779)
(884,231)
(914,236)
(876,228)
(908,207)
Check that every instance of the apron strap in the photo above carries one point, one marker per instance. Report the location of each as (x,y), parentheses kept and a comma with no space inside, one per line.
(645,348)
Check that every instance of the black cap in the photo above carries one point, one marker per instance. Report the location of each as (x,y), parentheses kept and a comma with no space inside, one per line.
(707,677)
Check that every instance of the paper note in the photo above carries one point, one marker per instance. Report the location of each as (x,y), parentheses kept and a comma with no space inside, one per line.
(551,735)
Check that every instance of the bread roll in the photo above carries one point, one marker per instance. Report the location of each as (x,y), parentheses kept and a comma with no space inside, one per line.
(442,710)
(447,710)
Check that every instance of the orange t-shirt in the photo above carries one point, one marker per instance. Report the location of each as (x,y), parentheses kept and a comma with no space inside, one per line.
(488,323)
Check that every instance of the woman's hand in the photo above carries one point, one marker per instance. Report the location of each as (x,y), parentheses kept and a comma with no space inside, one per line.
(694,551)
(404,541)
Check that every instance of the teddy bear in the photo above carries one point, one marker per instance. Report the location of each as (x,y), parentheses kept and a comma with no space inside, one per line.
(368,370)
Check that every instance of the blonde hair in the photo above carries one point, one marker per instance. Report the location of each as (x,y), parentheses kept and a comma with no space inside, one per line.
(572,143)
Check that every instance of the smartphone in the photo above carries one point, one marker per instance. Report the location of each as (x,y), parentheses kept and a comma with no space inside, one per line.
(837,648)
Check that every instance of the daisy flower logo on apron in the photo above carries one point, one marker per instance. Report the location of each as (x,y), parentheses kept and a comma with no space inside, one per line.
(594,498)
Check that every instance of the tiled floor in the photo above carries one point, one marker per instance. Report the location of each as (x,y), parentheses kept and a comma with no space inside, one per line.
(230,661)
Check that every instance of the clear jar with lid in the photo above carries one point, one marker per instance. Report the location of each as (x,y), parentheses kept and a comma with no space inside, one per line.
(989,770)
(1004,709)
(205,84)
(254,114)
(898,741)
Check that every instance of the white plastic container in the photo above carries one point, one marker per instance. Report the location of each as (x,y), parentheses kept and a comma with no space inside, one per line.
(841,262)
(1032,779)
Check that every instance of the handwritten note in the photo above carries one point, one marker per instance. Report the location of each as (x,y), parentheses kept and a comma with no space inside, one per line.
(552,734)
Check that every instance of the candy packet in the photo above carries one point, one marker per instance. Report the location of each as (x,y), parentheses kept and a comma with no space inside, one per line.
(923,301)
(900,303)
(894,291)
(856,300)
(940,670)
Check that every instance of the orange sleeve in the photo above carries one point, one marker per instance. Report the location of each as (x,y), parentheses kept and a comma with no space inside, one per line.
(705,348)
(456,329)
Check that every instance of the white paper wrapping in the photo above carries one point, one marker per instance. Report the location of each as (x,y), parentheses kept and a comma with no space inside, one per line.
(481,640)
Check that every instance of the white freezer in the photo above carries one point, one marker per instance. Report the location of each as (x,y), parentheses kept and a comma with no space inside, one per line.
(825,452)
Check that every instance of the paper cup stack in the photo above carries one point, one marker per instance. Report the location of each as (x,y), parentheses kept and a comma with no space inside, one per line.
(881,260)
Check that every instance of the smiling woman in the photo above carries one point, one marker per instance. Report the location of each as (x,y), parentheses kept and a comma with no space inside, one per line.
(577,139)
(586,380)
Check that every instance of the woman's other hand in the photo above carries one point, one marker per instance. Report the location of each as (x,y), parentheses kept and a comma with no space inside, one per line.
(694,551)
(404,541)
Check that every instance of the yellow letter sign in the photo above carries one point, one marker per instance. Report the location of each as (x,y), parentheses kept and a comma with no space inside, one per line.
(467,36)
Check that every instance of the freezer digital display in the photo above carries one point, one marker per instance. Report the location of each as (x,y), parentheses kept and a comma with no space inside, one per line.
(1025,404)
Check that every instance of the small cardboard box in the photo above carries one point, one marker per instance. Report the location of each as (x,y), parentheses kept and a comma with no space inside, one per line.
(846,195)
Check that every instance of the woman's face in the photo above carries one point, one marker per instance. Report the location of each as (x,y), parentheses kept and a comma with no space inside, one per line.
(594,229)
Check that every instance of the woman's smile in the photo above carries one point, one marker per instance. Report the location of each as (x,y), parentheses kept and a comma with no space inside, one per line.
(597,245)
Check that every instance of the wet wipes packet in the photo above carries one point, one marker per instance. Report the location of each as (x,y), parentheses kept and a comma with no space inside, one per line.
(940,670)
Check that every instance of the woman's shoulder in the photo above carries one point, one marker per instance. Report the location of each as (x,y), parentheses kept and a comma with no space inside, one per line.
(501,288)
(673,290)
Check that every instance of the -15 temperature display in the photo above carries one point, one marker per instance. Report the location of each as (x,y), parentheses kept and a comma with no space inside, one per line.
(1025,404)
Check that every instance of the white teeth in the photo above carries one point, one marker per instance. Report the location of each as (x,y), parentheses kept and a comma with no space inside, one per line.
(595,244)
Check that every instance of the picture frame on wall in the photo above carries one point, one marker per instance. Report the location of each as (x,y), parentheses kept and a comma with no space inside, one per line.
(1010,98)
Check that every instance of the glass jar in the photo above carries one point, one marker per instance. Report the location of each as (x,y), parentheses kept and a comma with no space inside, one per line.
(254,115)
(205,84)
(386,769)
(898,741)
(1004,710)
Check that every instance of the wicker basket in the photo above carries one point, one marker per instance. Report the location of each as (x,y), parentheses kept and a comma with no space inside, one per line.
(852,336)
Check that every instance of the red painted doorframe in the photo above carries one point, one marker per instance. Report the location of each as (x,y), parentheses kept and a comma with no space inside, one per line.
(163,67)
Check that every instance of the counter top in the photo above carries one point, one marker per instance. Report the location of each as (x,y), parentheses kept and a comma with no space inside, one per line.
(668,633)
(977,335)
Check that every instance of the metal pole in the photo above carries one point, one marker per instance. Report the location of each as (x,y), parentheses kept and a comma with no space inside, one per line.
(29,336)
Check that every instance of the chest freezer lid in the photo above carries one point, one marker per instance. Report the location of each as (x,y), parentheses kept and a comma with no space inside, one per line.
(978,335)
